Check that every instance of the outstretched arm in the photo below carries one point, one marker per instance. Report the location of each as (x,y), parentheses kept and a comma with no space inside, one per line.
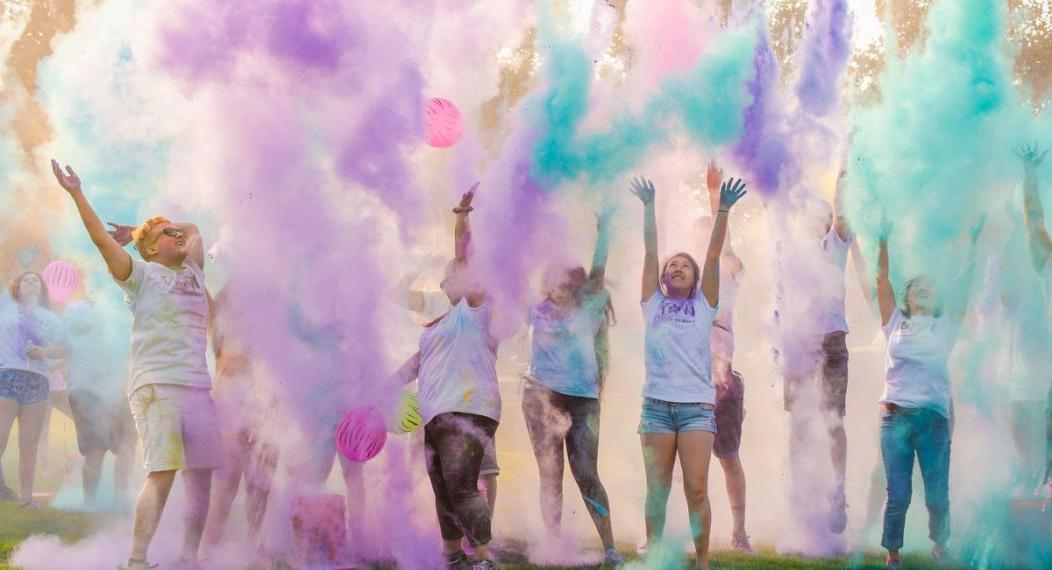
(195,244)
(117,260)
(644,190)
(1040,243)
(462,230)
(961,288)
(597,275)
(409,370)
(885,292)
(713,179)
(730,192)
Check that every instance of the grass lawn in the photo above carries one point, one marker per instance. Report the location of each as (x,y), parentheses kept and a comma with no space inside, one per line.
(16,524)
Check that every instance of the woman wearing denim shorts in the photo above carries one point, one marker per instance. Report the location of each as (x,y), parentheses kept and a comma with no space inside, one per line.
(30,334)
(678,396)
(916,419)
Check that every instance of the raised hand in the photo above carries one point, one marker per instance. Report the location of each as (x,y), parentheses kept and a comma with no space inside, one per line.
(28,256)
(35,352)
(643,189)
(1031,155)
(713,176)
(68,179)
(465,200)
(120,233)
(730,192)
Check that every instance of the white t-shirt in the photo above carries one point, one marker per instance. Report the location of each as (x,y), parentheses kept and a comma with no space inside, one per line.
(169,325)
(723,325)
(562,348)
(834,264)
(21,326)
(918,352)
(458,364)
(90,360)
(678,351)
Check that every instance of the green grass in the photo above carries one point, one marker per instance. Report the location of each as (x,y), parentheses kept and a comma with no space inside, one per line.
(17,524)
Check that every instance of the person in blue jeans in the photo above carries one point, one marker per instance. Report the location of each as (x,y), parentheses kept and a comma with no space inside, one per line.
(917,420)
(678,396)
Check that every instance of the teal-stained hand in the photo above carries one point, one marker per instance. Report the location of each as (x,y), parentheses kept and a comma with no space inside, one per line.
(1031,155)
(643,189)
(730,192)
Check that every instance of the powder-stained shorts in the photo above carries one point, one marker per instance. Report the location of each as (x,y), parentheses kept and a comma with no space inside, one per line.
(177,426)
(832,361)
(664,417)
(23,387)
(730,414)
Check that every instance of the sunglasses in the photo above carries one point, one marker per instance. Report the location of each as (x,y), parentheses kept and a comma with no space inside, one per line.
(173,232)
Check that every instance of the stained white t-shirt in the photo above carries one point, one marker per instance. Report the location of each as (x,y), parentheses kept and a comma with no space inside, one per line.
(918,353)
(832,313)
(678,351)
(169,325)
(562,347)
(21,327)
(458,364)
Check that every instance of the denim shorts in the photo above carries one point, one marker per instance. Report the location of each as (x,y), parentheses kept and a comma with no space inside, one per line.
(660,416)
(23,387)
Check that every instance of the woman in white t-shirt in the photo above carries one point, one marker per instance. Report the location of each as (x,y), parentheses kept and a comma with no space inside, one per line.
(30,335)
(456,368)
(678,397)
(916,420)
(560,401)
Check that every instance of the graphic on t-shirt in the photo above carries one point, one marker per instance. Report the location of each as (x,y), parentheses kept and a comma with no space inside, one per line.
(677,311)
(185,284)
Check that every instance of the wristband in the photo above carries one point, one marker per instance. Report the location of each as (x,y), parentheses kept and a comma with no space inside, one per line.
(459,210)
(722,211)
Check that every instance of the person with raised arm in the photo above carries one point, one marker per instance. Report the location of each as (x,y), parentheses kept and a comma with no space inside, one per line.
(679,303)
(916,419)
(561,396)
(1040,250)
(729,384)
(460,404)
(169,383)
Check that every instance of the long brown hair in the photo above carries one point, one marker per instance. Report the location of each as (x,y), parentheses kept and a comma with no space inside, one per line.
(16,289)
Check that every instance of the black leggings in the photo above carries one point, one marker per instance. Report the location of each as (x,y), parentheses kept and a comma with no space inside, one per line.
(454,445)
(555,419)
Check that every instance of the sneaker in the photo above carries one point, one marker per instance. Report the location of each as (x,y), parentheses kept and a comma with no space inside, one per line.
(893,563)
(484,565)
(458,561)
(838,512)
(7,493)
(613,558)
(642,548)
(136,565)
(31,505)
(740,543)
(938,552)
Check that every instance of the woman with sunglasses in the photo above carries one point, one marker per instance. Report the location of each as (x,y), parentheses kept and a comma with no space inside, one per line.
(169,383)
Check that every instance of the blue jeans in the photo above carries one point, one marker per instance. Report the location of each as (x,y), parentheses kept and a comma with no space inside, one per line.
(905,432)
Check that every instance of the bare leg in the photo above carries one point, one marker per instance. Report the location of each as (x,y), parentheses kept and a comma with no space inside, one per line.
(122,466)
(198,484)
(8,413)
(90,474)
(695,452)
(148,509)
(226,481)
(30,425)
(734,473)
(659,458)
